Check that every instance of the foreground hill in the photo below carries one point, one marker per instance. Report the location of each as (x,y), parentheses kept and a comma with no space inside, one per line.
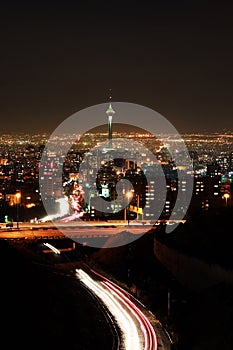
(42,308)
(208,236)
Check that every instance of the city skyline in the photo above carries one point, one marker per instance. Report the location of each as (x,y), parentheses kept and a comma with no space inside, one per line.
(116,222)
(173,58)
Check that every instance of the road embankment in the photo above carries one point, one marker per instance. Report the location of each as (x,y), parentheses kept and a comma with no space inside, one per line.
(190,271)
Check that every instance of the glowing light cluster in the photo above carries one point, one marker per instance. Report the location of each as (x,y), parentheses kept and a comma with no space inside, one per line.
(75,202)
(64,209)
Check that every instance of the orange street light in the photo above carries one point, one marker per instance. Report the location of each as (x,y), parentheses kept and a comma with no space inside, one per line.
(128,195)
(226,196)
(18,197)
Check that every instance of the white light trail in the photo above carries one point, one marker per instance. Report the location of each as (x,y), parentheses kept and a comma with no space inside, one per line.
(150,338)
(50,246)
(127,324)
(147,329)
(64,210)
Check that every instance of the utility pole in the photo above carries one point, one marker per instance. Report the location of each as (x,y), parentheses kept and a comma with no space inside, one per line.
(168,303)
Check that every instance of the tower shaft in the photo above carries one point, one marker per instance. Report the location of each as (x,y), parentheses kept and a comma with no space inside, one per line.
(110,112)
(110,131)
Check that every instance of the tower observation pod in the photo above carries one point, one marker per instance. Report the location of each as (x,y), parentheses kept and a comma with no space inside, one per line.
(110,112)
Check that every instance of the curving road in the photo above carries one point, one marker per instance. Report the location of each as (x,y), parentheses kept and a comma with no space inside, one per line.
(123,312)
(137,332)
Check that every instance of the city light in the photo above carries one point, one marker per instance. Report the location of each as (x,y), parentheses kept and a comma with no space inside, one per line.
(18,197)
(128,195)
(226,196)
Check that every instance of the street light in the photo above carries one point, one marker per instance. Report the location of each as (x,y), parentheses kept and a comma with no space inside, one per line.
(138,203)
(226,196)
(128,195)
(18,196)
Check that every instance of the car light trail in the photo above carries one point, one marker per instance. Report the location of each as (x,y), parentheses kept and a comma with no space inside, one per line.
(147,329)
(55,250)
(132,311)
(127,324)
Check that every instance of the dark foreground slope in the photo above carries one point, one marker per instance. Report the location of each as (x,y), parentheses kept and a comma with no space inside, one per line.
(208,319)
(205,235)
(43,309)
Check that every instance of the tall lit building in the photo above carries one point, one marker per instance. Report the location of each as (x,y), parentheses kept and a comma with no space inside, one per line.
(110,112)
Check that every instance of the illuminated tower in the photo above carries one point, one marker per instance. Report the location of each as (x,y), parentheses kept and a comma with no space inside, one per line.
(110,112)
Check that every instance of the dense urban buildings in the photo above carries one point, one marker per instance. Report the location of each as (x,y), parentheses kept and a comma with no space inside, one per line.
(20,156)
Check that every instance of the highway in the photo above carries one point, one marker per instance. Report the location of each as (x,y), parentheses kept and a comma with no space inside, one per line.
(73,230)
(139,328)
(79,230)
(72,233)
(137,332)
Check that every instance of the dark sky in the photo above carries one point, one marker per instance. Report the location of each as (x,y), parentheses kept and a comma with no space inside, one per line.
(175,57)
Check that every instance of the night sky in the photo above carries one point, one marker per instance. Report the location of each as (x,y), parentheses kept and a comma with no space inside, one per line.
(175,57)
